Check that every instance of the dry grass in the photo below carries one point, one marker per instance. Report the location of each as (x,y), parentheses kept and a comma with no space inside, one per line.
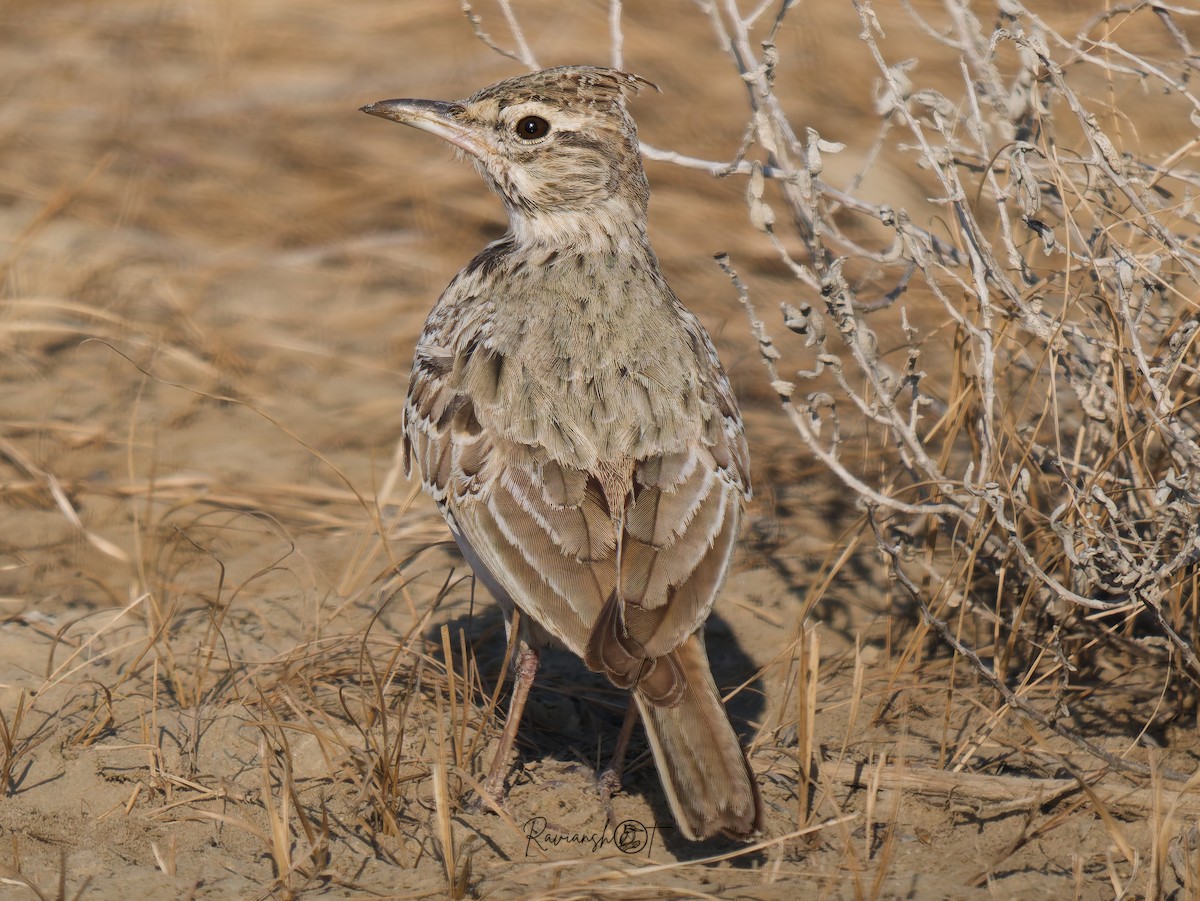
(237,656)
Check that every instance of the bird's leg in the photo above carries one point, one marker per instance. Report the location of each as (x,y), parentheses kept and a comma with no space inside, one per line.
(524,670)
(609,781)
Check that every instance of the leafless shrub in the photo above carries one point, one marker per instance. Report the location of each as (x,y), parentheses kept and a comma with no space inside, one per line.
(1058,455)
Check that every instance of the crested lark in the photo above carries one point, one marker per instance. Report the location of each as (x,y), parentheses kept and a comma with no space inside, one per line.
(574,425)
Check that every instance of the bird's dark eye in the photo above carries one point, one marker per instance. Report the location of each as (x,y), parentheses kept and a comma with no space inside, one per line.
(530,128)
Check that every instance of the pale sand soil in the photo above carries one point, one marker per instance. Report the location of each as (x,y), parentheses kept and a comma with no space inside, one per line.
(214,270)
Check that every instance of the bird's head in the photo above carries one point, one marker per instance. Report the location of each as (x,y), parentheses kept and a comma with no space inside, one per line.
(558,146)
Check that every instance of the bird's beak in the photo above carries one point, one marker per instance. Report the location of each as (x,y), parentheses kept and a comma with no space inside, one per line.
(435,116)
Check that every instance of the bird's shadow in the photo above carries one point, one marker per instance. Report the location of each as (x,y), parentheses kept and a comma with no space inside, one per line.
(574,715)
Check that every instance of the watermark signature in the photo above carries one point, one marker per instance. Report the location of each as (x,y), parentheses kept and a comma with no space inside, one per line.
(628,836)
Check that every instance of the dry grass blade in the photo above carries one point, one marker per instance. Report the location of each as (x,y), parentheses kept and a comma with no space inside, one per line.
(10,742)
(808,671)
(277,819)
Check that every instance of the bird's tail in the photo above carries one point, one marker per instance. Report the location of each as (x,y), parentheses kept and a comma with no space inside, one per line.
(704,772)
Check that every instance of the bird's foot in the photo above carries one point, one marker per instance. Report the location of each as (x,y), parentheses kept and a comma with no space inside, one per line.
(608,783)
(490,796)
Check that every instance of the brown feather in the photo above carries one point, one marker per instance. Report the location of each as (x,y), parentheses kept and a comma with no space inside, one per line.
(663,683)
(708,782)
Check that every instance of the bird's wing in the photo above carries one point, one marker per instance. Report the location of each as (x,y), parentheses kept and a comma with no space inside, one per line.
(677,542)
(541,531)
(545,533)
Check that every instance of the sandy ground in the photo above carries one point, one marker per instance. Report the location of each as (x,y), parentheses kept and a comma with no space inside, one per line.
(238,658)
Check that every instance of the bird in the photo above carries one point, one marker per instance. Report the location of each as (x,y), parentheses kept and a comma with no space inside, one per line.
(571,420)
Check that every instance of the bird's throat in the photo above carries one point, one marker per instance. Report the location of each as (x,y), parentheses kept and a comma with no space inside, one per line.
(609,227)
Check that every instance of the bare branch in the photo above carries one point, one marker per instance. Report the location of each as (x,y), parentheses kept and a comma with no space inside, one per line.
(616,35)
(522,54)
